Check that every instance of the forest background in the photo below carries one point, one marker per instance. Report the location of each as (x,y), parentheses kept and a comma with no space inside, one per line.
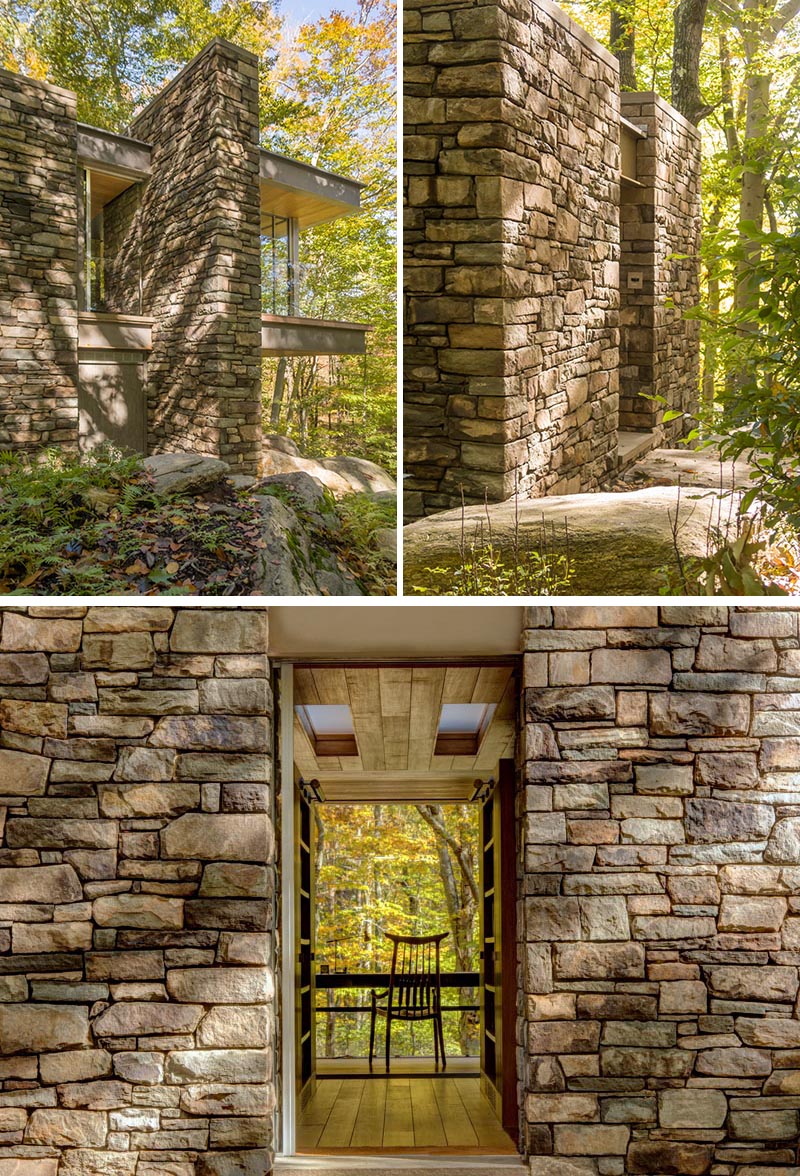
(732,67)
(327,98)
(410,870)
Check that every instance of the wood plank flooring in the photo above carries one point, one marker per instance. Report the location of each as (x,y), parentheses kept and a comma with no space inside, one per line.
(400,1114)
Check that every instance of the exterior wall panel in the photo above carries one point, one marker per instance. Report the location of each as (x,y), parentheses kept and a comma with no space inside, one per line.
(660,874)
(136,883)
(38,265)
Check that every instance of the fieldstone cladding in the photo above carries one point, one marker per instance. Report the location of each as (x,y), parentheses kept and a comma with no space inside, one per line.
(512,255)
(660,229)
(198,225)
(661,801)
(38,265)
(136,886)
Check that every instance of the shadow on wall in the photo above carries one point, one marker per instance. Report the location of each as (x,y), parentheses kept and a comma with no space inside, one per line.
(39,330)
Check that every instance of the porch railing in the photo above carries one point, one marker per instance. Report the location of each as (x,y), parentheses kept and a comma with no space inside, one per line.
(328,981)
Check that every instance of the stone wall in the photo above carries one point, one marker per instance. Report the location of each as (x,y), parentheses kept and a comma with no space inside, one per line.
(659,348)
(136,875)
(201,278)
(512,251)
(38,265)
(661,871)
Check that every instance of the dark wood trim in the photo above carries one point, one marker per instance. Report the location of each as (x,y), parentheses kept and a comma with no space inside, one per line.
(506,792)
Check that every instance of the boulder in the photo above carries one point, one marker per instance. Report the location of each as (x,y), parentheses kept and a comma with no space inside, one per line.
(692,467)
(364,477)
(183,473)
(341,475)
(617,542)
(290,563)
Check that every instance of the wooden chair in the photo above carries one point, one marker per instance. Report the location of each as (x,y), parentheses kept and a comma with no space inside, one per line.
(414,992)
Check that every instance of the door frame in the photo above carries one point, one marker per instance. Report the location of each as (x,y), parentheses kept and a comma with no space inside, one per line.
(286,1025)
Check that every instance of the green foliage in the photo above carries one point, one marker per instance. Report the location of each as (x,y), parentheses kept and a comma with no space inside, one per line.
(115,54)
(330,101)
(361,519)
(757,414)
(94,526)
(377,871)
(531,564)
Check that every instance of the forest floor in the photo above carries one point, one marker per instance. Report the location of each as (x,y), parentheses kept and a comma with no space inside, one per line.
(120,526)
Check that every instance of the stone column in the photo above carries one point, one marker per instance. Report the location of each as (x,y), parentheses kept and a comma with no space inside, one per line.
(661,865)
(660,348)
(136,878)
(512,252)
(38,265)
(200,249)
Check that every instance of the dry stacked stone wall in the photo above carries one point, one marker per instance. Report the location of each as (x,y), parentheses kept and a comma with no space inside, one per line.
(660,225)
(38,265)
(136,881)
(661,876)
(512,253)
(197,235)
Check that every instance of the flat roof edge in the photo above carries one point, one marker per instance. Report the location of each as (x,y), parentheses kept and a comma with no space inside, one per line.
(308,167)
(87,128)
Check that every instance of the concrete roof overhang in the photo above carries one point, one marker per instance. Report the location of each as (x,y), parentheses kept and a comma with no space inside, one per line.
(289,335)
(308,194)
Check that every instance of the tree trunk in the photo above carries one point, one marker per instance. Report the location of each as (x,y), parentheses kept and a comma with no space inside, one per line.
(461,907)
(689,21)
(277,395)
(753,192)
(623,46)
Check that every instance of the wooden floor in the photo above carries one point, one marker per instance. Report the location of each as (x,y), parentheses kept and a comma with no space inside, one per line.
(400,1115)
(401,1067)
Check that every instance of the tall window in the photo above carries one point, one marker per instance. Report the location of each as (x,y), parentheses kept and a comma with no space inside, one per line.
(111,256)
(278,265)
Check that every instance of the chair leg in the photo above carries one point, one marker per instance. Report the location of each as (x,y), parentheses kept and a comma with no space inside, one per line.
(372,1033)
(388,1039)
(435,1044)
(441,1040)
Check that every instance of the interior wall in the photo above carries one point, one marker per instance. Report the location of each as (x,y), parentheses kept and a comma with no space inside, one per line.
(660,937)
(136,878)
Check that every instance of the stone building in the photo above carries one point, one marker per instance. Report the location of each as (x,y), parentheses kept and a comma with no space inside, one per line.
(551,246)
(149,1021)
(146,274)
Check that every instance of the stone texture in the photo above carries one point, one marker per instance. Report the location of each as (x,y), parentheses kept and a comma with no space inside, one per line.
(97,1041)
(40,1028)
(514,201)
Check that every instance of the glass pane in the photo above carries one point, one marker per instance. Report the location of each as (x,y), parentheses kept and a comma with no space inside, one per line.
(276,269)
(112,250)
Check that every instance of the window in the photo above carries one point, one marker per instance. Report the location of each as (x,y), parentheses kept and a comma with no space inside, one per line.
(111,255)
(278,265)
(329,728)
(462,726)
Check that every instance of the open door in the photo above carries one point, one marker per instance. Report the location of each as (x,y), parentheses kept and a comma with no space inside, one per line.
(498,956)
(305,999)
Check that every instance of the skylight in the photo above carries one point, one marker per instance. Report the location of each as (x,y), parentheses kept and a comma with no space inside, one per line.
(329,728)
(462,726)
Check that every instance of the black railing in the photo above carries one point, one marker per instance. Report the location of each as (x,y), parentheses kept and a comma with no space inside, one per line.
(339,980)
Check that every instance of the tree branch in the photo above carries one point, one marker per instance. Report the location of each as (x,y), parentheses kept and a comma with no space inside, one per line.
(429,814)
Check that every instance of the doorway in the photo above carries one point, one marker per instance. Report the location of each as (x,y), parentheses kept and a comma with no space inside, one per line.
(397,817)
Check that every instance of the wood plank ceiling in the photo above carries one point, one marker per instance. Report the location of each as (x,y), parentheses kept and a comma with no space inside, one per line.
(395,714)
